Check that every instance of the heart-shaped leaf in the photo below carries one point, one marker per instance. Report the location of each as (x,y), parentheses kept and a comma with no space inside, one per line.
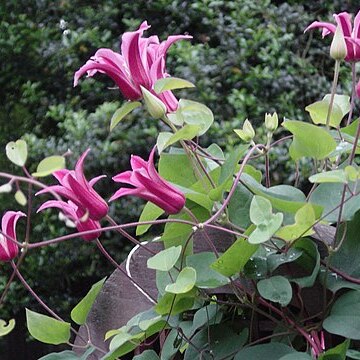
(309,140)
(184,283)
(165,259)
(17,152)
(276,289)
(48,165)
(47,329)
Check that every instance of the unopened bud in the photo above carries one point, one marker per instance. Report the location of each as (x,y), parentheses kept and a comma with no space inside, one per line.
(154,105)
(247,133)
(338,49)
(271,122)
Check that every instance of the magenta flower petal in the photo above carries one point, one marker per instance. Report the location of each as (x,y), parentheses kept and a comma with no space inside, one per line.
(75,188)
(344,20)
(89,200)
(351,35)
(75,214)
(128,90)
(130,49)
(9,249)
(149,185)
(328,28)
(141,63)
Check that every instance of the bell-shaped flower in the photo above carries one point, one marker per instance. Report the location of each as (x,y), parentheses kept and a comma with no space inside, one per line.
(81,220)
(351,35)
(149,185)
(8,248)
(141,63)
(74,187)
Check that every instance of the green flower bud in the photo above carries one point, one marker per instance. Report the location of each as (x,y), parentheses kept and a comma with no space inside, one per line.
(247,133)
(154,105)
(271,122)
(338,49)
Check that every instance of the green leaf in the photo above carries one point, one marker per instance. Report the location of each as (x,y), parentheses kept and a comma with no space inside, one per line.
(309,140)
(344,318)
(175,303)
(68,355)
(147,355)
(206,278)
(171,83)
(353,354)
(284,198)
(239,206)
(187,132)
(235,257)
(334,176)
(20,198)
(17,152)
(328,195)
(47,329)
(304,220)
(276,289)
(184,283)
(178,234)
(223,342)
(309,261)
(80,312)
(149,213)
(6,188)
(6,328)
(271,351)
(177,169)
(336,353)
(346,259)
(120,113)
(162,139)
(48,165)
(275,260)
(318,111)
(206,316)
(260,210)
(262,216)
(194,113)
(229,166)
(165,259)
(297,356)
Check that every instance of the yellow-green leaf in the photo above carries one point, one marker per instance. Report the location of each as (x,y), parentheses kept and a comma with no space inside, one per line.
(48,165)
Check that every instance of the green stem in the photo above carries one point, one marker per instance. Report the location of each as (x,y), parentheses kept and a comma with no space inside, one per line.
(333,91)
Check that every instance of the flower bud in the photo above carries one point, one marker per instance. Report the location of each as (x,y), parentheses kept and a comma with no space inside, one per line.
(154,105)
(338,49)
(271,122)
(247,133)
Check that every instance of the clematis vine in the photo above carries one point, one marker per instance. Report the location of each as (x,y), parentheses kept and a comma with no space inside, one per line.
(141,63)
(149,185)
(74,187)
(351,35)
(81,220)
(8,248)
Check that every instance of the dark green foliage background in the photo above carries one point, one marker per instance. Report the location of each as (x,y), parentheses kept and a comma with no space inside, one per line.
(247,58)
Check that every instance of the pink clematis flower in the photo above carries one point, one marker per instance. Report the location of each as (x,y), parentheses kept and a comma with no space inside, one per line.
(141,63)
(351,35)
(149,185)
(74,187)
(82,222)
(8,248)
